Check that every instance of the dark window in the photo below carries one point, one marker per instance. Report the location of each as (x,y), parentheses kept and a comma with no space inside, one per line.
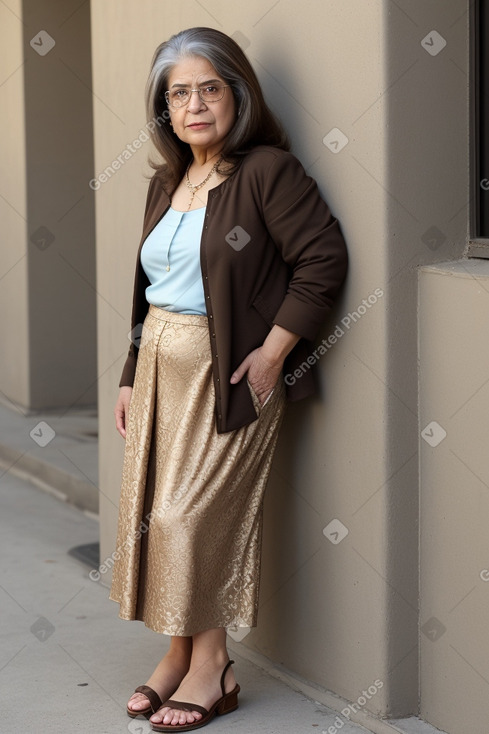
(481,111)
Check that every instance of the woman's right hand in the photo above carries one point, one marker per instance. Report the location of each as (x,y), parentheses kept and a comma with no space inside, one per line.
(121,410)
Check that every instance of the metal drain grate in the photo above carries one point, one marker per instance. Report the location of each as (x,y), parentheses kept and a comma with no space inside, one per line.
(89,554)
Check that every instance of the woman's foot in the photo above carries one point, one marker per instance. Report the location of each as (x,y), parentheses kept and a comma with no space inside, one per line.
(201,686)
(166,677)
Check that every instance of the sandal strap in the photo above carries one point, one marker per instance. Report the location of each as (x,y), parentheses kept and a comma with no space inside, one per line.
(152,696)
(228,665)
(184,706)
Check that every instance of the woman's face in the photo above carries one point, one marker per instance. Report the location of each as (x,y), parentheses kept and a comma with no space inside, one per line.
(203,125)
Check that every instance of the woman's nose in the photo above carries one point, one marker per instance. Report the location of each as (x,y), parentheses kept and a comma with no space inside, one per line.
(195,102)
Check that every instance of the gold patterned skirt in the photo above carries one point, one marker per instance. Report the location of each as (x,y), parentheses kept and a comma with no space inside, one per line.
(189,533)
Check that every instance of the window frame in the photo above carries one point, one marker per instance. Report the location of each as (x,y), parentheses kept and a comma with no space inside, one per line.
(478,243)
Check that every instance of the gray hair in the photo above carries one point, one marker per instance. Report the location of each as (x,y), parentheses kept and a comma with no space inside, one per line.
(255,123)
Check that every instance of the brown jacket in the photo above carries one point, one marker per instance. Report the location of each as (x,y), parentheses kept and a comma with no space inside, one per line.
(271,253)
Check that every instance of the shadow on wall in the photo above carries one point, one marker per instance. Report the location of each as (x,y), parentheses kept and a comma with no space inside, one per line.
(60,205)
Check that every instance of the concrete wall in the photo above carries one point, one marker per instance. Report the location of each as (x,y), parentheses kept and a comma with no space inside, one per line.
(47,260)
(427,213)
(13,212)
(454,400)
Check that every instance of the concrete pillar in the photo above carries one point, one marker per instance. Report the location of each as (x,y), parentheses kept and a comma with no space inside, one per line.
(454,497)
(13,214)
(48,294)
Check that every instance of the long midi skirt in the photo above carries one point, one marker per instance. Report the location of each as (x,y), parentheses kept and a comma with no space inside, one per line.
(189,534)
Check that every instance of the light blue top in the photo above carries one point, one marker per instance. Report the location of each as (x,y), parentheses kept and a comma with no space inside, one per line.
(170,257)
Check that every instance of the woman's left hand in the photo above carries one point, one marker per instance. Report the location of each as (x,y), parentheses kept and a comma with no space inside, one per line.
(262,375)
(264,364)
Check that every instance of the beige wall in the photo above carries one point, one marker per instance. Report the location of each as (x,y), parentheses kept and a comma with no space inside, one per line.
(59,150)
(454,399)
(13,212)
(427,194)
(47,259)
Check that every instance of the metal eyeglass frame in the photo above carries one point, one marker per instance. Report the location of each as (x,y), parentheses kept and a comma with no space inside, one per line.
(199,92)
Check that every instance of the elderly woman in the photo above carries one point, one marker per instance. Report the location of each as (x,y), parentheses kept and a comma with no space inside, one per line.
(239,263)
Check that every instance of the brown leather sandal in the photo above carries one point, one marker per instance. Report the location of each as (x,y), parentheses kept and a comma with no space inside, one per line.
(155,703)
(224,705)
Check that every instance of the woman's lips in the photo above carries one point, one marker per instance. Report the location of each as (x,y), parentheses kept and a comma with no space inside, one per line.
(198,125)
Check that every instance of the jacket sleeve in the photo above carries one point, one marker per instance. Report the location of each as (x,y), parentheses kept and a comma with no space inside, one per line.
(310,241)
(129,369)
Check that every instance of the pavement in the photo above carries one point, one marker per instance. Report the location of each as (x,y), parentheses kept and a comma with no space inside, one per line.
(67,662)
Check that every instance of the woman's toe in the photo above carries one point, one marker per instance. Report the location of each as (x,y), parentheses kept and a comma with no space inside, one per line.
(157,718)
(189,717)
(137,703)
(175,717)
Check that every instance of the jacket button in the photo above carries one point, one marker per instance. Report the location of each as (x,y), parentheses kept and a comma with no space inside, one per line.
(210,316)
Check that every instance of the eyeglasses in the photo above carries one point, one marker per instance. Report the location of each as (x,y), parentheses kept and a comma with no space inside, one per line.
(208,93)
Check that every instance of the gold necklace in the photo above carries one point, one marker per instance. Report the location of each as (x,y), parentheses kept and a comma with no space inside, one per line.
(194,189)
